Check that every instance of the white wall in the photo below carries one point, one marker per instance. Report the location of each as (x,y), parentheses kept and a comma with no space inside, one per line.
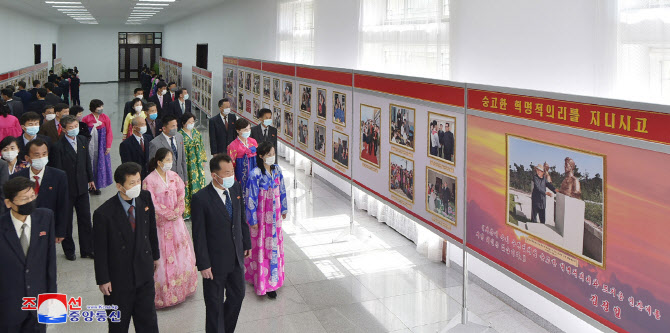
(94,49)
(23,32)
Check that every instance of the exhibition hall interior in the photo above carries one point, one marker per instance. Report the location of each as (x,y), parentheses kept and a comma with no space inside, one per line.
(335,166)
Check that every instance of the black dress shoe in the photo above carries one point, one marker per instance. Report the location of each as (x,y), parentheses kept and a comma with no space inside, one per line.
(71,257)
(272,294)
(88,255)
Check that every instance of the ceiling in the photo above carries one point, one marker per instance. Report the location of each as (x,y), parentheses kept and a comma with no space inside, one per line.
(110,12)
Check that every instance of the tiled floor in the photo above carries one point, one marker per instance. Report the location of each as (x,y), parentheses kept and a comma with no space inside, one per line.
(372,282)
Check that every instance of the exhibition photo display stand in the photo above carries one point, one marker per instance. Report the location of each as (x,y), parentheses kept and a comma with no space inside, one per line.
(58,66)
(27,74)
(201,88)
(568,193)
(171,71)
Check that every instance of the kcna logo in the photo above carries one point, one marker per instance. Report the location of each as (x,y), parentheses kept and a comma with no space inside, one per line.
(56,309)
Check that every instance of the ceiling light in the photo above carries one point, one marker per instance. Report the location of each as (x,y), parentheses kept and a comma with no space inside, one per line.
(147,8)
(68,6)
(152,4)
(158,0)
(145,11)
(72,10)
(64,2)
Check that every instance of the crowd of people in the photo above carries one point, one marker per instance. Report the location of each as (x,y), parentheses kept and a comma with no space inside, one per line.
(439,196)
(441,140)
(402,131)
(371,141)
(402,178)
(54,157)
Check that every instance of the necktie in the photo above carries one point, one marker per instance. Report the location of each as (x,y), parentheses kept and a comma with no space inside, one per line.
(265,135)
(60,129)
(174,150)
(131,217)
(142,143)
(225,123)
(182,106)
(24,239)
(37,184)
(229,205)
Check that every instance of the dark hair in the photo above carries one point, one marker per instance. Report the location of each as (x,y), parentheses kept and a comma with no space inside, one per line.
(51,71)
(161,153)
(137,89)
(7,92)
(223,100)
(67,120)
(29,116)
(22,84)
(36,83)
(41,92)
(263,112)
(124,170)
(60,107)
(186,117)
(37,142)
(264,148)
(12,88)
(161,84)
(134,101)
(49,86)
(241,124)
(171,83)
(167,118)
(180,92)
(48,106)
(15,185)
(4,109)
(76,109)
(215,162)
(8,141)
(150,105)
(95,103)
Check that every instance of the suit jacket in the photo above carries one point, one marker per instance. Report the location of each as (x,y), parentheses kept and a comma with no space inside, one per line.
(53,195)
(221,136)
(50,129)
(25,97)
(77,165)
(218,240)
(16,106)
(178,166)
(53,77)
(174,108)
(52,99)
(257,134)
(160,106)
(84,131)
(38,106)
(22,147)
(26,276)
(4,176)
(33,93)
(131,151)
(58,91)
(123,257)
(158,128)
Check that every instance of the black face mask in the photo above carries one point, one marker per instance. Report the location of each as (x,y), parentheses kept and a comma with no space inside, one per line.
(27,208)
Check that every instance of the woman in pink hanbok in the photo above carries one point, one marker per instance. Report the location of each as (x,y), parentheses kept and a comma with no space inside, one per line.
(176,276)
(266,209)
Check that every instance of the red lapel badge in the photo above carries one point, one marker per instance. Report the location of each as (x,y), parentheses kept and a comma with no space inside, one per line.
(146,209)
(51,188)
(43,233)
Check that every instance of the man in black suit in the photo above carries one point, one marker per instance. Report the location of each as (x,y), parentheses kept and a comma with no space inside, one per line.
(50,184)
(264,130)
(71,155)
(180,106)
(128,108)
(172,92)
(38,105)
(154,124)
(33,91)
(136,147)
(52,76)
(160,99)
(24,95)
(222,128)
(448,143)
(50,97)
(27,256)
(221,242)
(16,107)
(126,244)
(30,123)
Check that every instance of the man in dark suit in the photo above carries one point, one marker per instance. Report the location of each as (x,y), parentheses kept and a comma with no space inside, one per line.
(154,124)
(30,123)
(180,106)
(264,130)
(173,140)
(50,184)
(38,105)
(448,143)
(16,107)
(57,89)
(160,99)
(128,108)
(27,256)
(221,242)
(222,128)
(53,128)
(71,155)
(33,91)
(126,244)
(50,97)
(24,95)
(52,76)
(136,147)
(172,92)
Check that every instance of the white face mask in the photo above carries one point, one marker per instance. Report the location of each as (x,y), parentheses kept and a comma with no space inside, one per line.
(39,163)
(190,126)
(134,191)
(138,108)
(166,167)
(10,155)
(143,130)
(270,160)
(226,111)
(163,92)
(186,97)
(139,96)
(50,117)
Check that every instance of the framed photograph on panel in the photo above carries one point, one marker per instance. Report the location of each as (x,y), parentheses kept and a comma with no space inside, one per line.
(257,84)
(341,148)
(321,99)
(402,126)
(247,82)
(441,195)
(276,118)
(276,90)
(240,80)
(441,137)
(288,124)
(240,102)
(230,80)
(339,108)
(305,98)
(303,131)
(371,121)
(401,176)
(256,108)
(266,87)
(320,139)
(287,96)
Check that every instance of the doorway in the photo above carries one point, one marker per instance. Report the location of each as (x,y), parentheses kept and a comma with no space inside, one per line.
(201,55)
(136,50)
(38,53)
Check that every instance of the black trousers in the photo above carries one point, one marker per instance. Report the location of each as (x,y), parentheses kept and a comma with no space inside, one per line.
(221,316)
(82,204)
(537,211)
(29,325)
(138,304)
(75,99)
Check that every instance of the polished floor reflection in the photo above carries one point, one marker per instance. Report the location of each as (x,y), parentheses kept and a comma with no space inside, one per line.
(373,281)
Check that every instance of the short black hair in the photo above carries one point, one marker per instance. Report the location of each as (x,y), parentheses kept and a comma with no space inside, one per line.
(7,92)
(124,170)
(185,117)
(36,83)
(51,71)
(15,185)
(76,109)
(60,107)
(8,141)
(161,84)
(22,84)
(263,112)
(95,104)
(168,118)
(41,92)
(48,106)
(29,116)
(171,83)
(215,162)
(37,142)
(223,100)
(180,92)
(138,90)
(49,86)
(241,124)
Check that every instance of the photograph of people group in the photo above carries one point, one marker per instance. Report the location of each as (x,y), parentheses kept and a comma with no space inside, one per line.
(276,90)
(402,126)
(288,122)
(287,96)
(339,108)
(341,148)
(441,195)
(266,87)
(319,139)
(257,84)
(303,131)
(321,103)
(441,136)
(371,134)
(401,177)
(276,118)
(247,82)
(230,80)
(306,98)
(240,80)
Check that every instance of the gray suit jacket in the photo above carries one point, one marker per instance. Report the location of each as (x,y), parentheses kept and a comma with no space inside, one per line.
(178,166)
